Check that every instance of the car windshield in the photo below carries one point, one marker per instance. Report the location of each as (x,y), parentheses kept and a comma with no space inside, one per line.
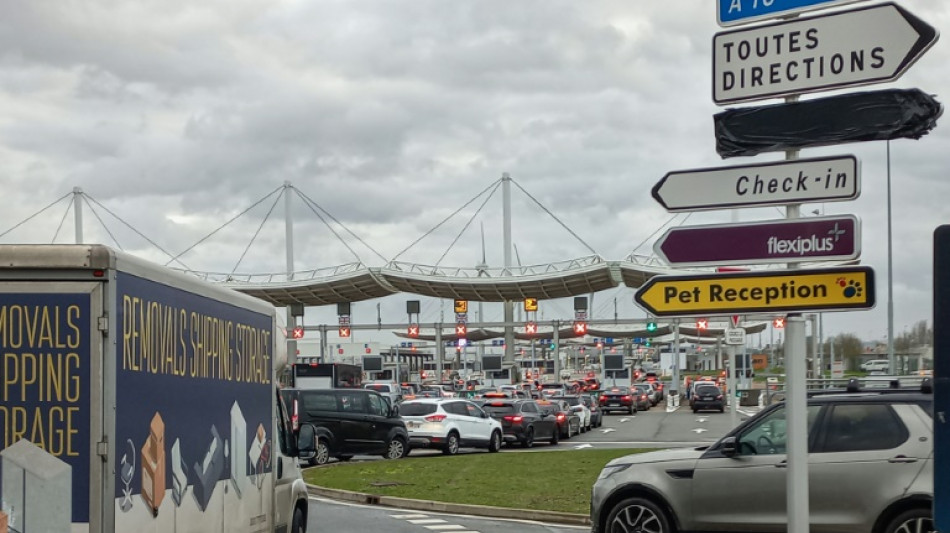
(378,388)
(571,400)
(417,409)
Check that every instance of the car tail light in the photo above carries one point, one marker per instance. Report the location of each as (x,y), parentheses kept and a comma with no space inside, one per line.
(695,397)
(434,418)
(295,419)
(514,419)
(626,397)
(719,397)
(603,399)
(643,396)
(561,417)
(659,387)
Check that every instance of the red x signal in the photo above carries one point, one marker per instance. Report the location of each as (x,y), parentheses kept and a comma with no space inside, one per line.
(413,330)
(779,323)
(702,323)
(531,328)
(298,332)
(461,329)
(344,332)
(580,328)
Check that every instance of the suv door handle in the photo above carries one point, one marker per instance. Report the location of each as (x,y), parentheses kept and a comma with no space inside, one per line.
(902,459)
(782,464)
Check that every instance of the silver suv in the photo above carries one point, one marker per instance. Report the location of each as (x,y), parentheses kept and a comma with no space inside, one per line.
(870,471)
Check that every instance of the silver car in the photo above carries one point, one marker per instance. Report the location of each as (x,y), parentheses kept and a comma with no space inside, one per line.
(870,471)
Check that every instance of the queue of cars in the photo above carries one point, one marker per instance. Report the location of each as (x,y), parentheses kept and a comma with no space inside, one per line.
(388,420)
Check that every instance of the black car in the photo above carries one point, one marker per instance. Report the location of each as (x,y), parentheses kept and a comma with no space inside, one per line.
(523,421)
(348,422)
(707,396)
(618,399)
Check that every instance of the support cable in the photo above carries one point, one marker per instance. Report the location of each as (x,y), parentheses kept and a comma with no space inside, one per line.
(563,225)
(61,221)
(256,233)
(314,206)
(219,228)
(494,184)
(139,233)
(34,215)
(667,223)
(467,224)
(103,224)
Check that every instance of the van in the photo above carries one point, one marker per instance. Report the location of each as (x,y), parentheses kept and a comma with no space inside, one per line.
(876,365)
(348,422)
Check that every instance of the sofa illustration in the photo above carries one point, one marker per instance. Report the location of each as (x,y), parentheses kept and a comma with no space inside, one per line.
(153,464)
(208,470)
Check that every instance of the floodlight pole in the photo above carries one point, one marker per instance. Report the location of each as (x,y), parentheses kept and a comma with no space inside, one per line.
(77,213)
(506,231)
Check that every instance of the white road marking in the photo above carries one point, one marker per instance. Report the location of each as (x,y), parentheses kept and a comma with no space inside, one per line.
(624,419)
(582,446)
(702,419)
(408,516)
(608,430)
(446,527)
(699,430)
(424,521)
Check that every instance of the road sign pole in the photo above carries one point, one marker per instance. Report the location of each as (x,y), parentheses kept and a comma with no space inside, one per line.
(732,393)
(796,401)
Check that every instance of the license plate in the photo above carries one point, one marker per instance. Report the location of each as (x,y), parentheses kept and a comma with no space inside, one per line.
(614,403)
(412,424)
(707,397)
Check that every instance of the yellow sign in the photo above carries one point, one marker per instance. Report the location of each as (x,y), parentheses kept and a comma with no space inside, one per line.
(461,306)
(765,291)
(530,304)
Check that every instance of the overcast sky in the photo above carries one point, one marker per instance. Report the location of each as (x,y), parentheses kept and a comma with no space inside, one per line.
(390,115)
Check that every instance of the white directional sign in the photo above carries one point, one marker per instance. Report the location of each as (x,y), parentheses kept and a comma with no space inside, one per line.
(843,49)
(825,179)
(735,336)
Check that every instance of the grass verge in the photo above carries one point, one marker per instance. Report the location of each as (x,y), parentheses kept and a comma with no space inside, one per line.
(548,481)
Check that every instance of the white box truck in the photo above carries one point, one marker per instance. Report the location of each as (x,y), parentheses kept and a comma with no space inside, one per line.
(135,398)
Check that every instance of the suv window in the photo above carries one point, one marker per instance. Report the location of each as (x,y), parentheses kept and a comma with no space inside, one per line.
(456,408)
(417,409)
(708,389)
(530,407)
(769,435)
(472,410)
(864,426)
(378,406)
(319,401)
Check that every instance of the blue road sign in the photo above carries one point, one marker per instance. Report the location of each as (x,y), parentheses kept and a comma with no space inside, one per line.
(735,12)
(942,381)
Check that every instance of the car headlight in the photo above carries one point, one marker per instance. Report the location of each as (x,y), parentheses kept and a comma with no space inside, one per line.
(610,470)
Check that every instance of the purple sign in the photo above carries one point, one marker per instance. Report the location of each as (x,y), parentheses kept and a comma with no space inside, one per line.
(774,241)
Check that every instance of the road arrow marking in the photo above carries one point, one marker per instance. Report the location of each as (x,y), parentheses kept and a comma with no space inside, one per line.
(582,446)
(624,419)
(700,430)
(703,419)
(608,430)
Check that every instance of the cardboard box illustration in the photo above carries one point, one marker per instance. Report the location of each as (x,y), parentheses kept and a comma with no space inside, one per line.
(153,464)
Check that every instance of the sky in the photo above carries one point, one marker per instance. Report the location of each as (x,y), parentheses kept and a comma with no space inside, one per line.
(175,118)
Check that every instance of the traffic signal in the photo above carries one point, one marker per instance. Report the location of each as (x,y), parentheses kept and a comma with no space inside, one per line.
(702,324)
(344,331)
(461,329)
(580,328)
(413,331)
(648,343)
(461,306)
(779,323)
(530,304)
(531,328)
(552,346)
(651,327)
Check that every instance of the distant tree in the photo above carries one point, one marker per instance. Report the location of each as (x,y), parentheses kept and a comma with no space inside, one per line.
(847,346)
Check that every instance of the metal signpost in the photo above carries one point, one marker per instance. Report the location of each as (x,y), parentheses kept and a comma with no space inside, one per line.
(844,49)
(735,12)
(823,179)
(941,505)
(771,241)
(761,291)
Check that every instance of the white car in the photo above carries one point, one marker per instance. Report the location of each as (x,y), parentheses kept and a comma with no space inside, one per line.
(449,424)
(578,407)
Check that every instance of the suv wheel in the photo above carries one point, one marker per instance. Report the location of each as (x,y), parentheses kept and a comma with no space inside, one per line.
(451,444)
(396,449)
(911,521)
(528,440)
(637,514)
(322,454)
(494,444)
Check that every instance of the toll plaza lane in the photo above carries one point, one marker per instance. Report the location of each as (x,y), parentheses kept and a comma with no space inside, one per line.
(328,515)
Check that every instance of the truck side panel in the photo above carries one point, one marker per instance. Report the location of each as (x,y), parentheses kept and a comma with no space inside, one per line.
(50,348)
(194,408)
